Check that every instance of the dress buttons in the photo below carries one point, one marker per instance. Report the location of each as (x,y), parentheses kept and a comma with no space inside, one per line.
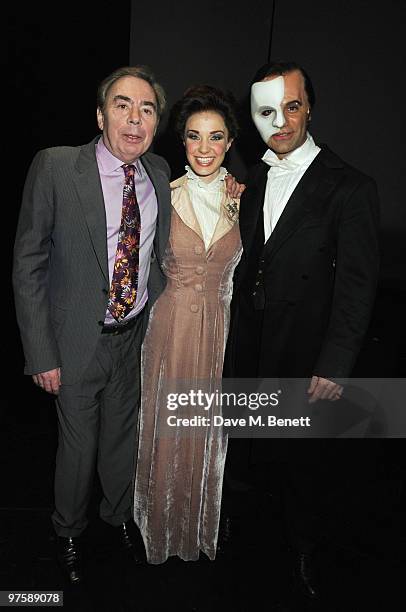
(198,250)
(199,287)
(199,270)
(194,307)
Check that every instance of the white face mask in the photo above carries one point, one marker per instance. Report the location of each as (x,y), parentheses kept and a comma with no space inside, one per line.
(266,109)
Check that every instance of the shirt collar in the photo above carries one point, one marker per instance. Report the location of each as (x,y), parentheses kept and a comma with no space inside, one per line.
(299,157)
(213,185)
(111,164)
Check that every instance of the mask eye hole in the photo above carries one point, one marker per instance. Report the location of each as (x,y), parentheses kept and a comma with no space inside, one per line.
(266,112)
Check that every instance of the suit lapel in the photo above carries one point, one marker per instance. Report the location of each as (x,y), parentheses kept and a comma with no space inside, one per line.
(251,206)
(309,194)
(88,186)
(161,185)
(89,189)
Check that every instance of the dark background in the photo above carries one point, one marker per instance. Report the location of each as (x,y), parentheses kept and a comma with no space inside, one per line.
(352,50)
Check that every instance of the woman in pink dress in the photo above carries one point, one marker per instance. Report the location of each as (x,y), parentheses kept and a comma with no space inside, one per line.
(179,475)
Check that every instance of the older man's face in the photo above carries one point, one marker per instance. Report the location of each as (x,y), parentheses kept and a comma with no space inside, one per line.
(129,118)
(280,110)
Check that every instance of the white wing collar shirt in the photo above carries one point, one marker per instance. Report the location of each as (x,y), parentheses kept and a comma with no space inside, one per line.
(283,177)
(206,201)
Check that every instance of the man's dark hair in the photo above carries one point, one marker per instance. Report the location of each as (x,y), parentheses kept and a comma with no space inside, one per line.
(280,68)
(200,98)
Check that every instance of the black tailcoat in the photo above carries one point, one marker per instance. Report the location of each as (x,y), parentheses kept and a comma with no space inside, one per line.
(302,302)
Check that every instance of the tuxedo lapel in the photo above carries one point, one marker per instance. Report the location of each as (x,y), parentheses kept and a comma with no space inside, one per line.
(308,196)
(88,186)
(251,206)
(162,191)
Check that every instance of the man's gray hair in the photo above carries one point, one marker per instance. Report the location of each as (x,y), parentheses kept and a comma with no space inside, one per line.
(141,72)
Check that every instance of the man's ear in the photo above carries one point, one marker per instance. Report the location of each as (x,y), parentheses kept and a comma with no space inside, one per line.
(100,118)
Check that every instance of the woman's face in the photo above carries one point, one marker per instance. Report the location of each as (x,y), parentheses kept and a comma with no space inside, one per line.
(206,142)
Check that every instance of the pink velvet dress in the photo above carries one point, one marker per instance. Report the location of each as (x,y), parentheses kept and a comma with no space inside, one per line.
(179,473)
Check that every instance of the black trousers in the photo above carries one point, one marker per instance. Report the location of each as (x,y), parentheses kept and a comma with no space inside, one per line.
(312,477)
(318,482)
(97,422)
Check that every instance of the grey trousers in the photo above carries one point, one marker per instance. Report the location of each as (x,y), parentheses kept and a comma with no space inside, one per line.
(97,422)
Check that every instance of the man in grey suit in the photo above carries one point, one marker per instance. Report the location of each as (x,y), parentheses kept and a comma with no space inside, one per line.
(81,317)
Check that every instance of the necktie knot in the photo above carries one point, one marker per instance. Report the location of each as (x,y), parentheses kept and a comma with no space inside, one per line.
(129,170)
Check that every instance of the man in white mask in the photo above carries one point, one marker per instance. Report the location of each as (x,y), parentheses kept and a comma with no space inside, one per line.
(305,286)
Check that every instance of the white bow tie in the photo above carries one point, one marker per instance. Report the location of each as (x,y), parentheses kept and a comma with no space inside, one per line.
(284,164)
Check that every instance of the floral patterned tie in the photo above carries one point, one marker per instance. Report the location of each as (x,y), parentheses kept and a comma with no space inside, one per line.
(123,290)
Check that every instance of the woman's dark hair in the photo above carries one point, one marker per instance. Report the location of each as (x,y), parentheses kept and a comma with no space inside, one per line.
(283,67)
(200,98)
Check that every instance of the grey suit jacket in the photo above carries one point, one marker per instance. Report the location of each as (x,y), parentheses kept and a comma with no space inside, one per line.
(60,273)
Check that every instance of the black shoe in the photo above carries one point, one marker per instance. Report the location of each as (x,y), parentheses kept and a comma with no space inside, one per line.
(125,541)
(225,534)
(70,558)
(304,575)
